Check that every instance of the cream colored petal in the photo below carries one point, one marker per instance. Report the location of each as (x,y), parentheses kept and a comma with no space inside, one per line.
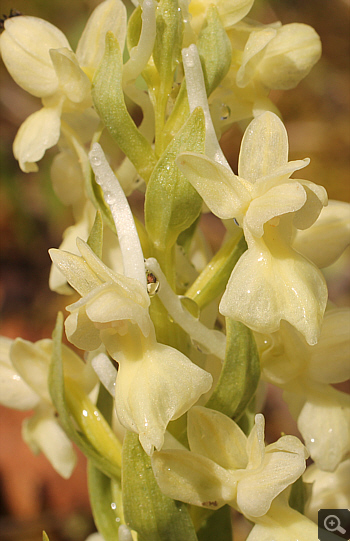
(290,56)
(287,356)
(73,366)
(140,54)
(106,372)
(264,147)
(24,48)
(156,389)
(43,433)
(192,478)
(329,359)
(324,423)
(14,391)
(107,16)
(40,131)
(253,53)
(57,280)
(81,331)
(266,287)
(230,11)
(284,463)
(128,287)
(329,490)
(72,80)
(278,176)
(316,199)
(217,437)
(327,238)
(77,272)
(33,366)
(279,200)
(218,186)
(108,305)
(282,523)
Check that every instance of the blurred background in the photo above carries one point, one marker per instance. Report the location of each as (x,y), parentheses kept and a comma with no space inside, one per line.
(32,496)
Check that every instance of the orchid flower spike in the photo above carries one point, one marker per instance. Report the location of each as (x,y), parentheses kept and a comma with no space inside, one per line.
(155,383)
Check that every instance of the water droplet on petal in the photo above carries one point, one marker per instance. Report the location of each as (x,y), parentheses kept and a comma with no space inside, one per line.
(95,160)
(225,112)
(190,305)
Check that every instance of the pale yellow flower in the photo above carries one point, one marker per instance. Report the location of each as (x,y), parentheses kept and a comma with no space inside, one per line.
(155,383)
(225,466)
(306,373)
(230,11)
(40,60)
(271,281)
(24,370)
(329,490)
(264,57)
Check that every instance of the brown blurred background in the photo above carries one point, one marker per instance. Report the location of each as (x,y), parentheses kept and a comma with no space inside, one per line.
(316,113)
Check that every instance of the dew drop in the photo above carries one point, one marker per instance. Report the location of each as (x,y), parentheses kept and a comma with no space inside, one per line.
(95,160)
(190,305)
(110,198)
(225,112)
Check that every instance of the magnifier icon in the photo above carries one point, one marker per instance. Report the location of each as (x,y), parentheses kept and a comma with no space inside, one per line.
(332,524)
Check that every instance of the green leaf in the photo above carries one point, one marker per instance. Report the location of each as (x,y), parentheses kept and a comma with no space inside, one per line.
(105,510)
(172,204)
(95,240)
(213,279)
(152,515)
(214,49)
(45,537)
(217,526)
(59,399)
(108,98)
(240,372)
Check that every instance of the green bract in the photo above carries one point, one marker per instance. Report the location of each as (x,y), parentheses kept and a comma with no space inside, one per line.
(172,205)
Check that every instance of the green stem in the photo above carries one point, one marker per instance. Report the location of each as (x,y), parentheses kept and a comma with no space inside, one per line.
(213,279)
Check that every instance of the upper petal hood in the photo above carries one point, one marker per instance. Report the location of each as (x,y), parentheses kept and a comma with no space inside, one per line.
(289,57)
(107,16)
(25,47)
(264,147)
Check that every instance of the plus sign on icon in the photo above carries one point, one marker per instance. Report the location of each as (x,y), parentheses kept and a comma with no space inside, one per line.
(333,524)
